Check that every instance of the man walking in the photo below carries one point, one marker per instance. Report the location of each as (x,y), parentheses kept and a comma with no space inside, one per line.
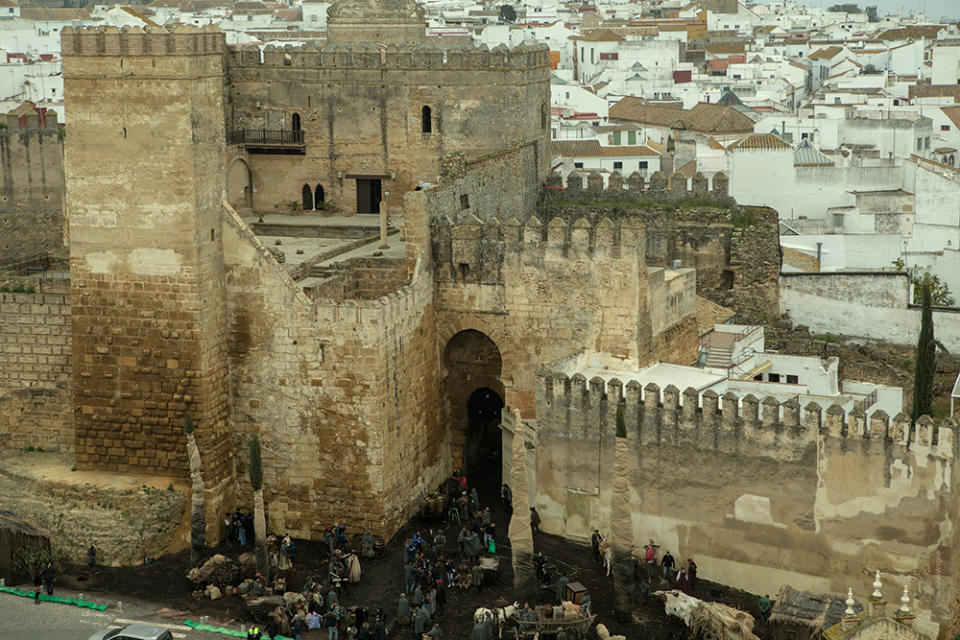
(49,573)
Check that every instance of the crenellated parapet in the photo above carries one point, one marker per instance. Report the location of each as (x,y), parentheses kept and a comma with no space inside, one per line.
(471,250)
(179,40)
(393,56)
(575,407)
(658,188)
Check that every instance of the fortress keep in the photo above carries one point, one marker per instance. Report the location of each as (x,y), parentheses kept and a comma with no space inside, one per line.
(371,367)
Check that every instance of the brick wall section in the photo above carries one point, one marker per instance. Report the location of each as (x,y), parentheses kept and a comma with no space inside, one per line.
(35,370)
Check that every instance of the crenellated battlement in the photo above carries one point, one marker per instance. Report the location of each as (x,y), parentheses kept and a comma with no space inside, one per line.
(393,56)
(482,246)
(179,40)
(574,406)
(592,186)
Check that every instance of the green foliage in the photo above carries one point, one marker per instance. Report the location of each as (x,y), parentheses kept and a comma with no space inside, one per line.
(29,559)
(256,464)
(507,13)
(742,219)
(188,425)
(621,420)
(847,7)
(170,487)
(872,15)
(926,359)
(940,295)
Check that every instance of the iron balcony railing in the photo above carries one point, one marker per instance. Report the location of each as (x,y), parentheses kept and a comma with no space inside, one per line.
(275,137)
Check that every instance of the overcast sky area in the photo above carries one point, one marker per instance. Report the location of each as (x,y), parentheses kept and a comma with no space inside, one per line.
(932,8)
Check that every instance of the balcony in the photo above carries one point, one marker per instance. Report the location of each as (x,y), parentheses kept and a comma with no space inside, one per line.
(281,141)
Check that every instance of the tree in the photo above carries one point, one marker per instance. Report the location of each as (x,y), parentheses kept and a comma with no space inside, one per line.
(926,361)
(621,525)
(198,512)
(259,522)
(508,13)
(847,7)
(872,15)
(939,291)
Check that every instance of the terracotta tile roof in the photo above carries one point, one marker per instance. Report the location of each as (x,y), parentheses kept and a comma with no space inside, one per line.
(935,91)
(577,148)
(825,53)
(688,170)
(715,118)
(917,31)
(599,35)
(712,142)
(54,15)
(639,110)
(800,260)
(710,313)
(139,16)
(725,47)
(627,151)
(953,113)
(761,141)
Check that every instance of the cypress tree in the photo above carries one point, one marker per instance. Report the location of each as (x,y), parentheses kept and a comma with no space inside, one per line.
(926,361)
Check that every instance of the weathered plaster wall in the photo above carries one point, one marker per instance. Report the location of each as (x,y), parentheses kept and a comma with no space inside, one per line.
(868,304)
(812,498)
(36,407)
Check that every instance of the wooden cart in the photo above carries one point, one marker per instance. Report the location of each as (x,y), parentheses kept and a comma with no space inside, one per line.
(577,627)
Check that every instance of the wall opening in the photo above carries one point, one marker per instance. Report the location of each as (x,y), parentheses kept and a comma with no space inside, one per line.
(426,120)
(473,400)
(296,122)
(318,196)
(307,196)
(368,195)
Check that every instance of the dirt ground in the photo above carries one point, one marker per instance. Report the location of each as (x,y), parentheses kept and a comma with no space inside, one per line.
(163,581)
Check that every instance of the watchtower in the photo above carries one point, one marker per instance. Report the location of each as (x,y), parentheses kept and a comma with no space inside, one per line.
(144,165)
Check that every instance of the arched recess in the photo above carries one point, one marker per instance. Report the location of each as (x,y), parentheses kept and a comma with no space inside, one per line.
(240,185)
(296,122)
(473,396)
(319,195)
(307,197)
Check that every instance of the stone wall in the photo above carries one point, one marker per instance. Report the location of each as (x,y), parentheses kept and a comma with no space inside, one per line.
(35,371)
(144,166)
(361,111)
(125,518)
(735,250)
(758,494)
(871,304)
(31,189)
(343,395)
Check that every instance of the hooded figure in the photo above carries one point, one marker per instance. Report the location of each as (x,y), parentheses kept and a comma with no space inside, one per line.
(403,609)
(353,568)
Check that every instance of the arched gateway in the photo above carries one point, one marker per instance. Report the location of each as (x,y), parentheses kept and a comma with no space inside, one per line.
(473,397)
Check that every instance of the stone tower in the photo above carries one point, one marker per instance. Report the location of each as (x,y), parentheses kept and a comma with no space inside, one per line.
(144,167)
(377,21)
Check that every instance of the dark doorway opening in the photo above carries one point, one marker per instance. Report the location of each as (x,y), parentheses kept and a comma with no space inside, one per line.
(368,195)
(318,196)
(307,197)
(482,448)
(296,122)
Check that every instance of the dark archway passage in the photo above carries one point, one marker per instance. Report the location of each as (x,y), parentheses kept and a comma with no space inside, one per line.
(473,399)
(482,448)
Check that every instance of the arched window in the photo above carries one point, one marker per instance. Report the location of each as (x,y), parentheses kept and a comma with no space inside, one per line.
(426,120)
(296,122)
(307,197)
(318,196)
(953,159)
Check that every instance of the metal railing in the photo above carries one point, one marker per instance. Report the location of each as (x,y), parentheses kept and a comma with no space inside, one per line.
(867,401)
(277,137)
